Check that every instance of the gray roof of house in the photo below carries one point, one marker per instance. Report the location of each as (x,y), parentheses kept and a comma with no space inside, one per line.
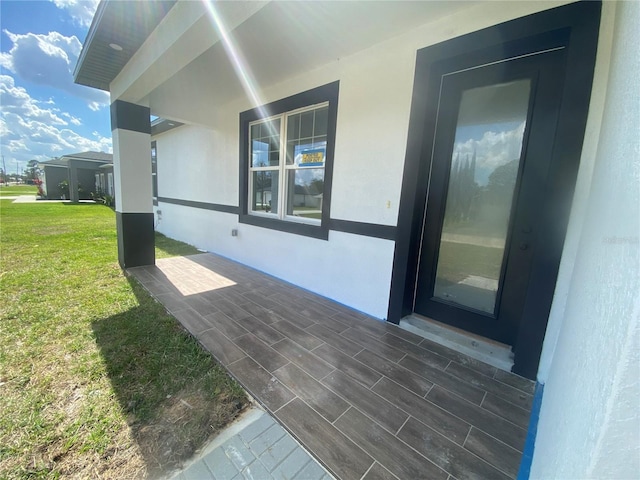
(98,157)
(54,162)
(95,156)
(125,23)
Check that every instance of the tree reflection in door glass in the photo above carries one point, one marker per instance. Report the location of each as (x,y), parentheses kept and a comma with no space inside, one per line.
(484,169)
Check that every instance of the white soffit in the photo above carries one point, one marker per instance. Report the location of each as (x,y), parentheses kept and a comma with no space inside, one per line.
(281,39)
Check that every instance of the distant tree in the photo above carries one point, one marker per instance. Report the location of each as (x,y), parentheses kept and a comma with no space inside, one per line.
(316,186)
(31,172)
(502,182)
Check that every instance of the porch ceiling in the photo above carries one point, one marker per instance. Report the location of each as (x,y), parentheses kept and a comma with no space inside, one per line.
(288,38)
(282,40)
(274,41)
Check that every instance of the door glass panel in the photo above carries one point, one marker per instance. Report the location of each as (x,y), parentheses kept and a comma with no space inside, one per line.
(482,179)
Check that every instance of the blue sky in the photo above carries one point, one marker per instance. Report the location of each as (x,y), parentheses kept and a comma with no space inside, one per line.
(43,113)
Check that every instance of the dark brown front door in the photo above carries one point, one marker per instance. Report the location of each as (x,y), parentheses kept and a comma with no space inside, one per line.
(490,167)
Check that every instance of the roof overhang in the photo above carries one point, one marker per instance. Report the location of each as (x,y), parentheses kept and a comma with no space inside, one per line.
(117,31)
(190,52)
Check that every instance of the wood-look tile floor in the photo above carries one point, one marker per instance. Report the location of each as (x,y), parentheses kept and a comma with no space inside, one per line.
(368,399)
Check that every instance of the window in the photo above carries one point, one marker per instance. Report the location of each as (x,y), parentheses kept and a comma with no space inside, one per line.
(110,189)
(286,162)
(154,173)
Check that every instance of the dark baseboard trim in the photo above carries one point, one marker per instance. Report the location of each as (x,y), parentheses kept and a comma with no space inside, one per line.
(216,207)
(385,232)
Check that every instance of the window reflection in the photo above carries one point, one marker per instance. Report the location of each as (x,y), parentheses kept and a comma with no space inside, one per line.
(482,179)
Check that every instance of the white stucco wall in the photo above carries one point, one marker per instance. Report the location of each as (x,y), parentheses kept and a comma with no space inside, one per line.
(351,269)
(373,117)
(590,415)
(132,171)
(191,166)
(579,208)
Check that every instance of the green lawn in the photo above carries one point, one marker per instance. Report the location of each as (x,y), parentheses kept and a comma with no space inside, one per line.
(96,379)
(459,260)
(14,190)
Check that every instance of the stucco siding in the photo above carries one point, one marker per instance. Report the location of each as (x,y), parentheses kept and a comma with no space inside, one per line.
(200,162)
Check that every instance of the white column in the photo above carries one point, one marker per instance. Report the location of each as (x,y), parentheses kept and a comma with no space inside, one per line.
(131,132)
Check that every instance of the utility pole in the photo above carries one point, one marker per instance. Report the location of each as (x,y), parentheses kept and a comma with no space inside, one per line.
(4,170)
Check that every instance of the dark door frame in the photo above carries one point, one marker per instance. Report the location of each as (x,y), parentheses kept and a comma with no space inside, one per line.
(541,70)
(574,27)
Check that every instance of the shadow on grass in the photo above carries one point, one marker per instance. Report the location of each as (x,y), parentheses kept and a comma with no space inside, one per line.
(174,396)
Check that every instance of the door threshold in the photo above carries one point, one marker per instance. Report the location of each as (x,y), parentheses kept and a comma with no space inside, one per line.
(489,351)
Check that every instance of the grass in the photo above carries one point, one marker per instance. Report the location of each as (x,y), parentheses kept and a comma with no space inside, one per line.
(15,190)
(459,260)
(96,379)
(166,247)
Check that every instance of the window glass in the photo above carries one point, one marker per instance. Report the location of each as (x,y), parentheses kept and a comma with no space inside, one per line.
(305,187)
(264,191)
(304,130)
(483,174)
(265,144)
(154,171)
(303,168)
(285,162)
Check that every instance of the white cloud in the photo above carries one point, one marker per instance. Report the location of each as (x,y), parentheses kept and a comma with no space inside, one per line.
(95,106)
(49,60)
(74,120)
(81,11)
(29,131)
(17,100)
(494,149)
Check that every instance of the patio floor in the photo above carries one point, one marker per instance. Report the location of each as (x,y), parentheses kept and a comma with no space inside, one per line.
(368,399)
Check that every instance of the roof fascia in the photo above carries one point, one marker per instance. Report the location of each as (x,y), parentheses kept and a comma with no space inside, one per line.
(95,24)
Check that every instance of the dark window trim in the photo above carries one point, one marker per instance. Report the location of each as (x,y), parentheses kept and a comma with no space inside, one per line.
(324,93)
(581,20)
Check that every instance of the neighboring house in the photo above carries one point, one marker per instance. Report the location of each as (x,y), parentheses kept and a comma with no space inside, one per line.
(85,172)
(476,163)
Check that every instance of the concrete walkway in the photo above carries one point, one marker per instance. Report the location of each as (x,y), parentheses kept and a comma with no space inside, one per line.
(34,199)
(255,447)
(19,198)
